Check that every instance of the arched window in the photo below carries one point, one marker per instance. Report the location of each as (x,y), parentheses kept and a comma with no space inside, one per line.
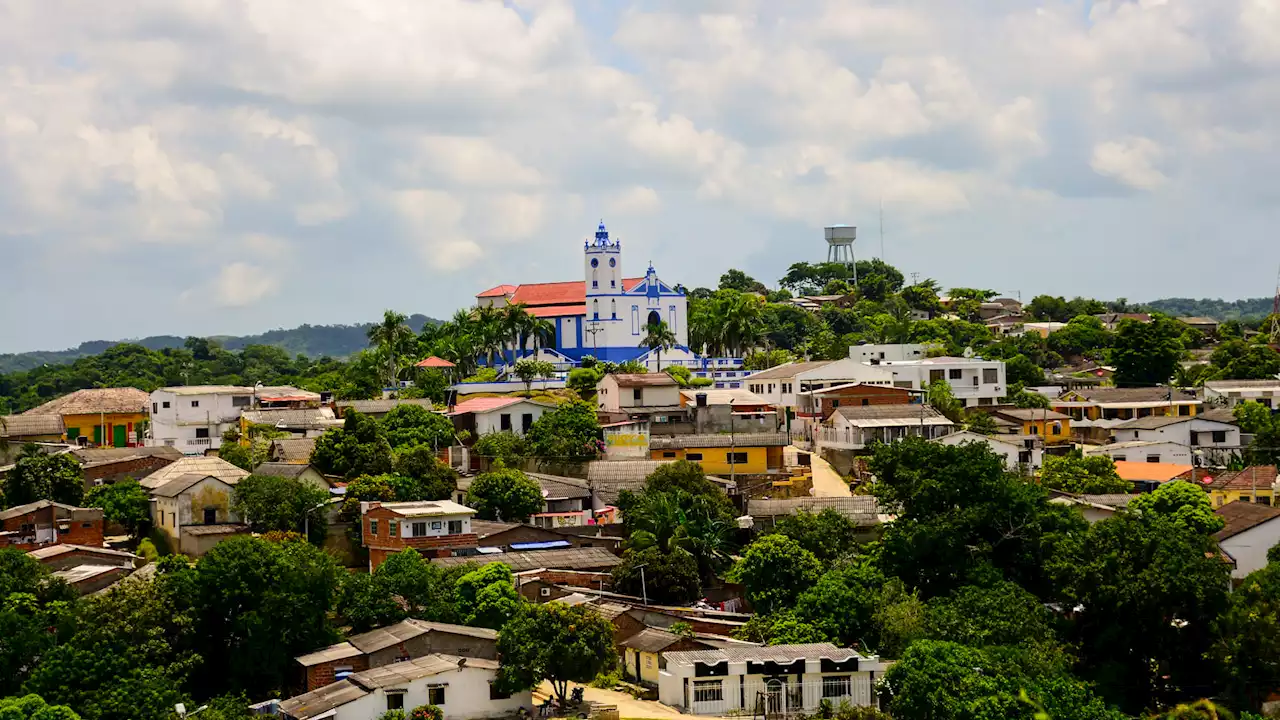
(613,309)
(635,319)
(594,282)
(595,309)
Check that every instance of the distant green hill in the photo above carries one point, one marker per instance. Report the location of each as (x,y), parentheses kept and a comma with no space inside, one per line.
(335,341)
(1251,309)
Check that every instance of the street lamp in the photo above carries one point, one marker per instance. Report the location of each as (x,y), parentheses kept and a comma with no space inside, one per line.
(181,709)
(306,519)
(644,591)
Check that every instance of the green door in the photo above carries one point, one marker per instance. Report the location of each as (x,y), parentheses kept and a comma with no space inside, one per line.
(121,435)
(97,434)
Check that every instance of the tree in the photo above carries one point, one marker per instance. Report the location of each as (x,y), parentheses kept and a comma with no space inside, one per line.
(1019,369)
(282,504)
(33,707)
(123,503)
(528,370)
(1145,354)
(556,643)
(944,400)
(435,480)
(407,425)
(571,431)
(827,534)
(742,282)
(766,359)
(1237,360)
(1256,419)
(505,494)
(503,446)
(1075,473)
(1247,639)
(1000,613)
(669,577)
(392,338)
(843,603)
(1083,335)
(1182,503)
(258,605)
(658,337)
(1048,307)
(980,422)
(487,597)
(678,507)
(774,571)
(1028,400)
(583,381)
(359,447)
(41,476)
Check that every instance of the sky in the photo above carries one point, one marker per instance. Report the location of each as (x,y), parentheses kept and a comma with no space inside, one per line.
(196,167)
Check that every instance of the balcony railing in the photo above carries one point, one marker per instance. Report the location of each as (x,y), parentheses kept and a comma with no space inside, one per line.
(200,442)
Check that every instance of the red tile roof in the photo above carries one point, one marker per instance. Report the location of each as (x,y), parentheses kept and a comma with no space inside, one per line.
(1254,476)
(558,293)
(435,362)
(557,310)
(499,291)
(483,404)
(1240,516)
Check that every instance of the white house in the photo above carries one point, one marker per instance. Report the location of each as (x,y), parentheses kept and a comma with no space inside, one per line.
(1234,392)
(1208,437)
(779,386)
(1251,530)
(973,381)
(1144,451)
(856,427)
(481,416)
(782,679)
(1018,454)
(625,391)
(462,687)
(192,418)
(888,353)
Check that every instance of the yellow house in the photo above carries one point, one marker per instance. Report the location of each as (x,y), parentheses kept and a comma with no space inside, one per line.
(108,417)
(641,654)
(1110,403)
(749,453)
(1252,484)
(1051,426)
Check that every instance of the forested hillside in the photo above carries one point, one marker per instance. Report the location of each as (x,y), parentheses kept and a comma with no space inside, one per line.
(311,340)
(1251,309)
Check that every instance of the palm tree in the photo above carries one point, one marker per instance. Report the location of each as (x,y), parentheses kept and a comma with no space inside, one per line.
(391,336)
(543,332)
(489,332)
(742,322)
(515,325)
(658,337)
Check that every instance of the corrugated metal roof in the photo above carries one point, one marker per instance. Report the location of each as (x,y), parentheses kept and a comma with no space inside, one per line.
(559,487)
(322,700)
(385,637)
(906,413)
(180,484)
(378,407)
(584,558)
(1240,516)
(293,449)
(406,671)
(652,640)
(427,508)
(643,379)
(862,509)
(304,419)
(742,440)
(607,478)
(341,651)
(774,653)
(18,510)
(281,469)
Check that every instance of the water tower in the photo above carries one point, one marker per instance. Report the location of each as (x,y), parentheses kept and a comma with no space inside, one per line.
(840,246)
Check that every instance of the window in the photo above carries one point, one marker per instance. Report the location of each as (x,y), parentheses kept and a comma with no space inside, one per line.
(165,404)
(495,694)
(435,695)
(240,401)
(155,407)
(990,376)
(340,672)
(504,421)
(954,373)
(28,528)
(1153,458)
(526,422)
(668,453)
(637,394)
(418,529)
(693,457)
(195,403)
(395,700)
(1219,436)
(436,524)
(1264,500)
(1057,428)
(735,457)
(936,376)
(836,686)
(1184,409)
(613,309)
(455,528)
(393,528)
(866,402)
(648,660)
(836,403)
(210,516)
(708,690)
(1117,458)
(373,527)
(202,432)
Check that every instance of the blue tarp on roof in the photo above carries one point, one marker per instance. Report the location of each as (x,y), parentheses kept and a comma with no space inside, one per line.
(548,545)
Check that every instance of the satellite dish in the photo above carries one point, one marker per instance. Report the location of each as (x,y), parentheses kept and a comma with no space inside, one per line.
(968,352)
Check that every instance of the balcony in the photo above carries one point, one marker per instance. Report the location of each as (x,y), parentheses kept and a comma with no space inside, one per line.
(200,442)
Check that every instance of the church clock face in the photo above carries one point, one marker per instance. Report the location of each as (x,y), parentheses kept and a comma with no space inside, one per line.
(595,262)
(613,262)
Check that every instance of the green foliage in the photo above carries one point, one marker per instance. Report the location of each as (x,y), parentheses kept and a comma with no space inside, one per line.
(41,476)
(843,603)
(426,712)
(669,577)
(257,605)
(505,494)
(679,508)
(1020,369)
(658,337)
(774,571)
(1083,335)
(359,447)
(765,359)
(404,586)
(1247,639)
(583,381)
(1256,419)
(33,707)
(571,431)
(944,400)
(1181,502)
(742,282)
(1237,360)
(528,370)
(487,597)
(271,503)
(1075,473)
(556,643)
(980,422)
(433,480)
(503,446)
(828,535)
(1145,354)
(123,503)
(407,425)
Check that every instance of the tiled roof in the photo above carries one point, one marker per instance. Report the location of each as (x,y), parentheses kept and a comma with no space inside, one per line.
(322,700)
(1115,500)
(556,487)
(644,379)
(303,419)
(1225,385)
(281,469)
(1149,472)
(651,640)
(498,291)
(1133,395)
(573,292)
(1254,476)
(721,440)
(774,653)
(179,485)
(789,370)
(1153,422)
(293,449)
(484,404)
(94,401)
(99,455)
(434,362)
(1031,414)
(546,311)
(12,426)
(375,407)
(862,509)
(1240,516)
(485,528)
(285,393)
(202,466)
(385,637)
(607,478)
(18,510)
(586,558)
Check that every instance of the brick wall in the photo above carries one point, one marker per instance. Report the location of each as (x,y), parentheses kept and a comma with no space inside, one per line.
(323,674)
(136,468)
(84,527)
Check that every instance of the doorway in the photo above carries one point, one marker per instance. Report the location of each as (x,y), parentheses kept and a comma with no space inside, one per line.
(210,516)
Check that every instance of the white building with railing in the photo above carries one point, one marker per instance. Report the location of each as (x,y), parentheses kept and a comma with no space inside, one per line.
(772,681)
(192,418)
(973,381)
(858,427)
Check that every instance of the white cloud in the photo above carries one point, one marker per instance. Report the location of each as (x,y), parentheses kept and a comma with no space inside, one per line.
(1132,161)
(635,200)
(237,285)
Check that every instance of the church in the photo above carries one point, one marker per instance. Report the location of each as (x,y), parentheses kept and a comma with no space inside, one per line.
(604,314)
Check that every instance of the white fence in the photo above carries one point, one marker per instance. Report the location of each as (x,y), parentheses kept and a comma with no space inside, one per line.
(775,697)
